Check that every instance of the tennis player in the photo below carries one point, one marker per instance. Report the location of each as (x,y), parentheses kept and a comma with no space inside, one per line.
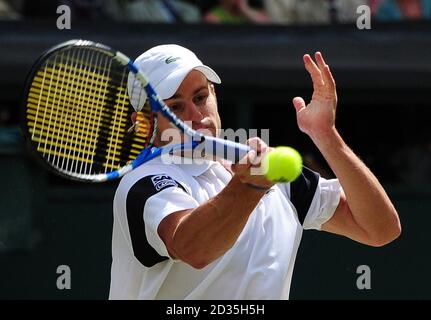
(209,231)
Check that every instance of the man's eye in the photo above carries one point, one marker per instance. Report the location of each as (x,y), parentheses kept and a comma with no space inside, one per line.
(200,99)
(176,107)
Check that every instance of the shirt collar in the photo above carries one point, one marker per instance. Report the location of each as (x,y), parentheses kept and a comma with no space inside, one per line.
(194,167)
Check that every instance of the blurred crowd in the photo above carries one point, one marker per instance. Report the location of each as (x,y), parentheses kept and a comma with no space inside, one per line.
(287,12)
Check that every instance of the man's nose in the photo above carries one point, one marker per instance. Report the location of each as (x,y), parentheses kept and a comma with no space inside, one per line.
(195,113)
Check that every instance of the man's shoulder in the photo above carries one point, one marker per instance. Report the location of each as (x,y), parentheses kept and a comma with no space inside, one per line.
(159,174)
(154,171)
(150,179)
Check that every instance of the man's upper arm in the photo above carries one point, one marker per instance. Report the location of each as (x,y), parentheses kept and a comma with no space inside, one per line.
(167,227)
(148,202)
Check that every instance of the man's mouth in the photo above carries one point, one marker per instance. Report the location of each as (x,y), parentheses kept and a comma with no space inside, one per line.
(201,127)
(205,130)
(205,126)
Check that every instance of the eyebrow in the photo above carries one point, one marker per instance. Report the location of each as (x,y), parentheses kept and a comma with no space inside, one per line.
(176,95)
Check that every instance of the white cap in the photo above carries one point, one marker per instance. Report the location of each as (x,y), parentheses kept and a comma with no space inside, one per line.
(165,66)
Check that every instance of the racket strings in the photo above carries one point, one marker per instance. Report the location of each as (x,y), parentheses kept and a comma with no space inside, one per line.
(122,142)
(59,115)
(79,108)
(57,103)
(87,118)
(84,107)
(39,148)
(64,117)
(78,111)
(114,147)
(71,152)
(105,68)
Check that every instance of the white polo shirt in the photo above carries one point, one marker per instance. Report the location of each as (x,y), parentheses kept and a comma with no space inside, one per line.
(258,266)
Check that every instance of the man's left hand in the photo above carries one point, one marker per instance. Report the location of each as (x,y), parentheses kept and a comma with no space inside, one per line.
(318,117)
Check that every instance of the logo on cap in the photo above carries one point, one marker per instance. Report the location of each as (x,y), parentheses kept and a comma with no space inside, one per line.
(171,59)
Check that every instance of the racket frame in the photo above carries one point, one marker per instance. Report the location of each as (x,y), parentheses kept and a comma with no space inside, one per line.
(227,149)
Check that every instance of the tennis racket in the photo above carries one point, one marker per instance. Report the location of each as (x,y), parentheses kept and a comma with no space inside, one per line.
(78,111)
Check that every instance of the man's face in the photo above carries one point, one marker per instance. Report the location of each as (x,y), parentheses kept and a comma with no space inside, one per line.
(194,103)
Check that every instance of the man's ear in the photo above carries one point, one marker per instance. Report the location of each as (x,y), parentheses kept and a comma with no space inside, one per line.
(212,87)
(134,116)
(135,123)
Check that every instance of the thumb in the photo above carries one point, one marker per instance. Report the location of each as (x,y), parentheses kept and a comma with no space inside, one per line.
(298,103)
(244,164)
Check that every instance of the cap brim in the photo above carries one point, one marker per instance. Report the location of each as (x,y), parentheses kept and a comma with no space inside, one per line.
(137,94)
(209,73)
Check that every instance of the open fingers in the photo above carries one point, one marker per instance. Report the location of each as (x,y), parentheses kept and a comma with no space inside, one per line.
(325,71)
(314,71)
(320,61)
(254,156)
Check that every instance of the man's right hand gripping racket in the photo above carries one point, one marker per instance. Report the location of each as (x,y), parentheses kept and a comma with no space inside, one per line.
(78,111)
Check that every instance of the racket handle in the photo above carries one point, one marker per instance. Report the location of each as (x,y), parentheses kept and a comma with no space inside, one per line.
(225,149)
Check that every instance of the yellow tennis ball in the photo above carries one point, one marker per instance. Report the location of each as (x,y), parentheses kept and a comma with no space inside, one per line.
(283,164)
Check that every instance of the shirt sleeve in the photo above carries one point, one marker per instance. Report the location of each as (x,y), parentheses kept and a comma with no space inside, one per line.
(325,201)
(314,198)
(148,202)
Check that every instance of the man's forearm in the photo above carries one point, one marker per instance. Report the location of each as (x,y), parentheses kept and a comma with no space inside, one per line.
(369,204)
(208,231)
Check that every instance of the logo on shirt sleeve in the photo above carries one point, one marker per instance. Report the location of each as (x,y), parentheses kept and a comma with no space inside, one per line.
(163,181)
